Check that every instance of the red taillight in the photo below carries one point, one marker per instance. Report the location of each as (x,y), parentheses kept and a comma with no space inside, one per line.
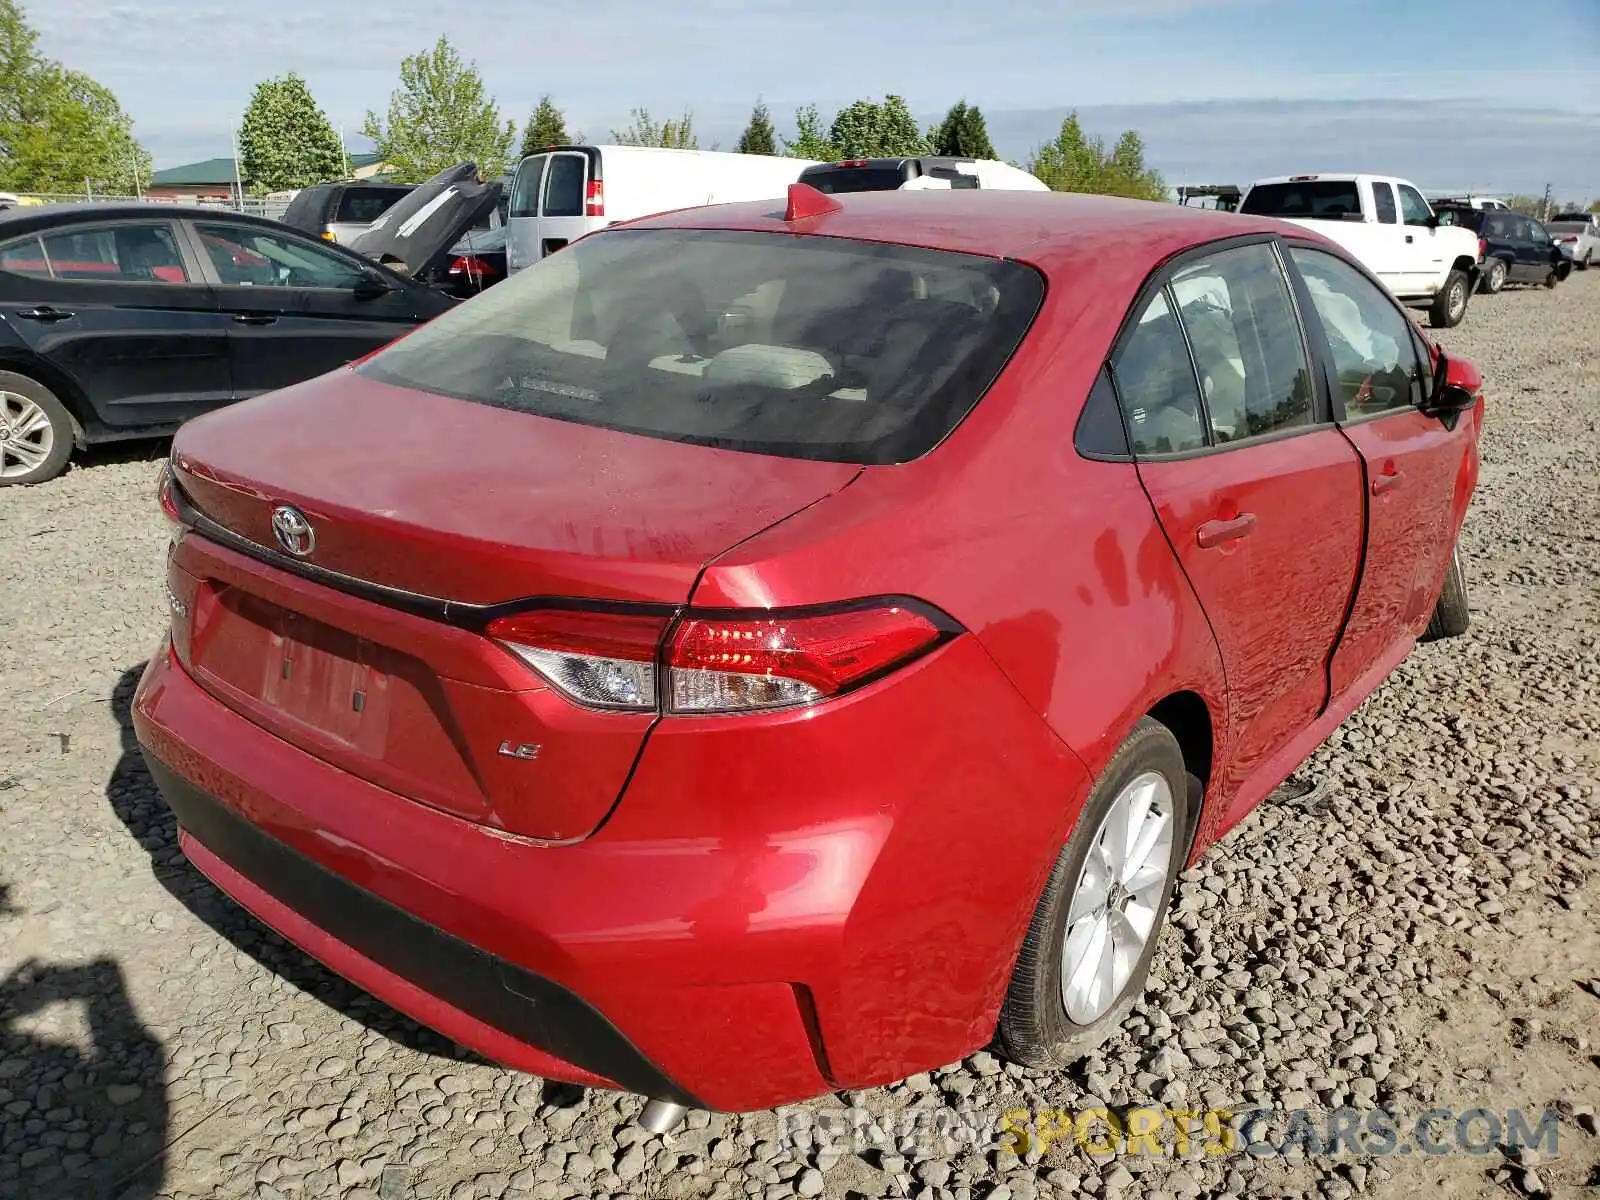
(165,496)
(469,265)
(1483,249)
(601,659)
(594,200)
(741,662)
(851,162)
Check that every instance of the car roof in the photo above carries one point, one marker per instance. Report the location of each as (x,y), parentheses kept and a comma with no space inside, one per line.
(1052,230)
(14,221)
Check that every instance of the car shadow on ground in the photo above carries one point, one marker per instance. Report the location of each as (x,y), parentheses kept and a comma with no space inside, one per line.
(138,804)
(77,1122)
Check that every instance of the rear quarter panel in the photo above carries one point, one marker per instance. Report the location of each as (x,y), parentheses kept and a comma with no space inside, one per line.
(1055,563)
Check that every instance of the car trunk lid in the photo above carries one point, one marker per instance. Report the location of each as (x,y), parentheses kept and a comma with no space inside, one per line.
(427,517)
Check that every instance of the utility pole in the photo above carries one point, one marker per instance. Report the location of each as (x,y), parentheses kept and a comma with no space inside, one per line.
(1544,211)
(238,179)
(343,153)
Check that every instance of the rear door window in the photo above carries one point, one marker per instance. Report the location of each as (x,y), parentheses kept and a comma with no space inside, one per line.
(563,185)
(525,185)
(130,253)
(1248,351)
(807,347)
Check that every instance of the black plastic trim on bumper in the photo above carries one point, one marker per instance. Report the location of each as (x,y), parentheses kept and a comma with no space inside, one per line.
(501,994)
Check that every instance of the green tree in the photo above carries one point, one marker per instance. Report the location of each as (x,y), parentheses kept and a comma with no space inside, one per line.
(1076,162)
(285,140)
(670,134)
(1595,207)
(865,129)
(962,133)
(546,127)
(439,116)
(809,140)
(759,137)
(59,129)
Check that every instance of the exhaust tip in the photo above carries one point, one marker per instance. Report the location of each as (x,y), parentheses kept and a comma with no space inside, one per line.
(661,1116)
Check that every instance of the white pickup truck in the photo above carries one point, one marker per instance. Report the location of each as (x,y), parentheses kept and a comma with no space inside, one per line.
(1386,224)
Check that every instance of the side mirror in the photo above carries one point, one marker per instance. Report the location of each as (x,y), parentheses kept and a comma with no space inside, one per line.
(1456,388)
(371,285)
(1433,221)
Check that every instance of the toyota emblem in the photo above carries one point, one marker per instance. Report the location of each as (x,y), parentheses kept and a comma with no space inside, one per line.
(293,531)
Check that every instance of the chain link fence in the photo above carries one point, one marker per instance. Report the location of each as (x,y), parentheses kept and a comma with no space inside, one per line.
(258,206)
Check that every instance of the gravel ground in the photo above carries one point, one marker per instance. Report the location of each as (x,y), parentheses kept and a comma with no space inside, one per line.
(1419,931)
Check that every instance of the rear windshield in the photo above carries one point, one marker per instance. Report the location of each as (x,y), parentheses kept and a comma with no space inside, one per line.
(1567,226)
(363,206)
(1467,218)
(1317,198)
(806,347)
(525,186)
(855,179)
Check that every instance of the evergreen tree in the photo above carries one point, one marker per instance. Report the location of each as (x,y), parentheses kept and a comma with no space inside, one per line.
(758,136)
(962,133)
(546,127)
(1075,162)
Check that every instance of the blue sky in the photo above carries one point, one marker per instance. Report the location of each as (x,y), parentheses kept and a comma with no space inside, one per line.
(1453,93)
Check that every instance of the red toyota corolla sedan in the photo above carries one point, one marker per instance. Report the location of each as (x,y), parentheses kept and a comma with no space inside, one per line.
(763,650)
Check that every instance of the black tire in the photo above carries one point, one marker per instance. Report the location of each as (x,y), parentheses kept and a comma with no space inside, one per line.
(1035,1029)
(1450,305)
(1494,277)
(1552,279)
(1587,255)
(61,431)
(1452,614)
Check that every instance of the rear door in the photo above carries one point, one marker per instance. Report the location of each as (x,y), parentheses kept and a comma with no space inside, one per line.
(1259,494)
(522,213)
(295,308)
(1412,463)
(121,309)
(564,201)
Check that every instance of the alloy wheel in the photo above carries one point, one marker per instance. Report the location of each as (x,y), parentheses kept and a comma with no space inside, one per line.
(1117,900)
(26,435)
(1458,300)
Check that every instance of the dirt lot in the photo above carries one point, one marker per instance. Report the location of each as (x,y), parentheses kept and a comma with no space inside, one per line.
(1420,932)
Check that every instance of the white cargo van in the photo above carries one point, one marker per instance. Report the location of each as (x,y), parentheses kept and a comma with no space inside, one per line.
(561,194)
(919,173)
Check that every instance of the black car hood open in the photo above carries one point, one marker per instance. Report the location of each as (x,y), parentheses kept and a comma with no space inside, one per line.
(420,229)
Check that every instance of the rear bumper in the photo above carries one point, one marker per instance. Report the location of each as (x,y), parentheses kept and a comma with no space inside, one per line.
(764,918)
(475,997)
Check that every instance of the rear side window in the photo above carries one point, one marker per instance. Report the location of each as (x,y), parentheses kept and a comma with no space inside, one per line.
(1239,315)
(806,347)
(563,185)
(840,180)
(1383,202)
(1156,385)
(1313,198)
(525,186)
(363,206)
(24,257)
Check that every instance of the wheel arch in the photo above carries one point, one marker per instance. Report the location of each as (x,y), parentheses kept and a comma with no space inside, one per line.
(60,384)
(1187,716)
